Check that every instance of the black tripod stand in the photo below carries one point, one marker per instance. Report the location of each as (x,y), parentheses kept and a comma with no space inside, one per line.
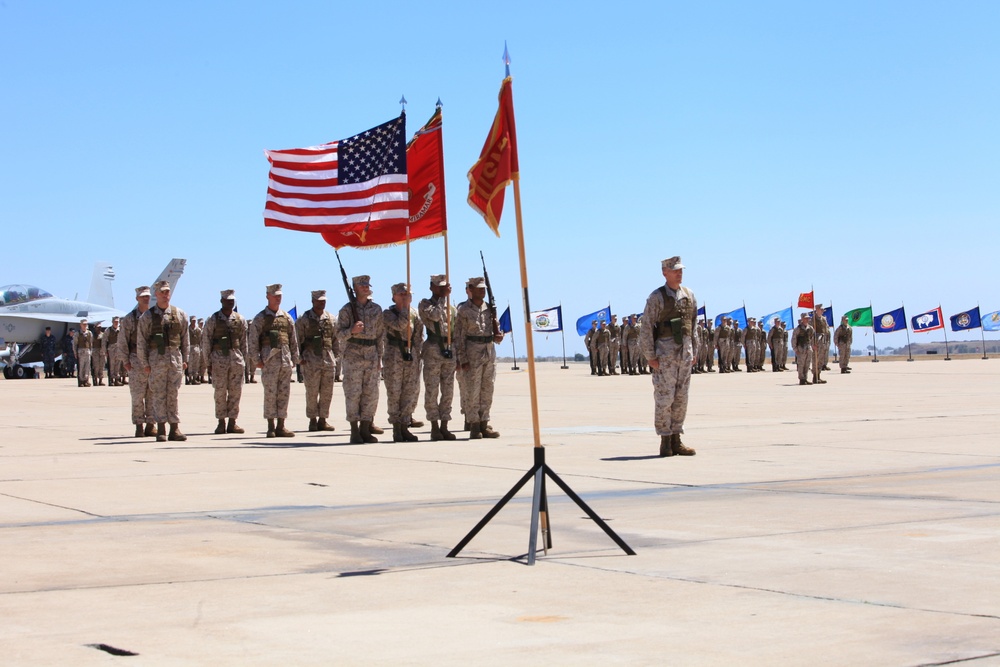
(539,509)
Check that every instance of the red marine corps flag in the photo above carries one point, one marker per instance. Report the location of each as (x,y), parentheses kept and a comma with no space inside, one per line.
(806,300)
(497,164)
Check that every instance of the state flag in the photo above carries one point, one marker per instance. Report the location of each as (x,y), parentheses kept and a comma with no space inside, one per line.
(504,322)
(860,317)
(968,320)
(785,316)
(894,320)
(583,324)
(991,321)
(738,315)
(701,314)
(929,321)
(548,320)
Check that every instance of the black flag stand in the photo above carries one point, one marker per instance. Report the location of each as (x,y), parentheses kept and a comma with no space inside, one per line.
(540,470)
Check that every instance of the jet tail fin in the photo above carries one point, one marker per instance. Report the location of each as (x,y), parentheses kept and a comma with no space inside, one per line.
(100,285)
(172,273)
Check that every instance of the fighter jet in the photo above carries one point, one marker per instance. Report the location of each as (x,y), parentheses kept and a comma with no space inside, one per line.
(25,311)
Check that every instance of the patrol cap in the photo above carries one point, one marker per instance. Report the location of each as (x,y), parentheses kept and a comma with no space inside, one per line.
(818,306)
(228,294)
(439,280)
(194,318)
(142,291)
(319,295)
(399,288)
(274,290)
(478,281)
(362,280)
(161,286)
(672,263)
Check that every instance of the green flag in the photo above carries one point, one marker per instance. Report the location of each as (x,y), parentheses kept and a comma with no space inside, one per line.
(859,317)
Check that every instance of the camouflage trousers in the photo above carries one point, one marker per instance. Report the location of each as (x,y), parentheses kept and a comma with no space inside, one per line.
(166,373)
(602,358)
(439,384)
(477,390)
(845,355)
(361,380)
(227,381)
(803,361)
(671,382)
(402,385)
(276,378)
(97,363)
(632,355)
(83,359)
(116,367)
(319,388)
(613,357)
(194,368)
(138,386)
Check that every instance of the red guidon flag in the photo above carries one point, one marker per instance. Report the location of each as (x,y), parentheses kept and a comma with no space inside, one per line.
(806,300)
(497,164)
(352,187)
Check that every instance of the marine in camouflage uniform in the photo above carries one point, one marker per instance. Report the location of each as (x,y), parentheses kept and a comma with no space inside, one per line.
(274,348)
(750,345)
(668,339)
(224,351)
(804,339)
(83,345)
(163,345)
(116,368)
(709,344)
(438,316)
(361,332)
(630,335)
(317,333)
(822,351)
(722,337)
(98,357)
(138,377)
(590,341)
(843,338)
(774,341)
(615,345)
(195,365)
(476,333)
(401,362)
(603,338)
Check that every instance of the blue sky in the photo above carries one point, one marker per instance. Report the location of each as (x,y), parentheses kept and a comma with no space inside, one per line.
(775,146)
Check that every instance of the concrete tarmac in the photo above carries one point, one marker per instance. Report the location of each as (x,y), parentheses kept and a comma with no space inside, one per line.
(852,523)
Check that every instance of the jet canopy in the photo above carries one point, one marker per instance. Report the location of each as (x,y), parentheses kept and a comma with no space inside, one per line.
(13,294)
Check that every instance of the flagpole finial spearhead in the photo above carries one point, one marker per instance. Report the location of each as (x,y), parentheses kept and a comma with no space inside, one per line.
(439,105)
(402,102)
(506,58)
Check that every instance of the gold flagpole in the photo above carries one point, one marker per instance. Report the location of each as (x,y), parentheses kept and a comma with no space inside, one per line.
(532,386)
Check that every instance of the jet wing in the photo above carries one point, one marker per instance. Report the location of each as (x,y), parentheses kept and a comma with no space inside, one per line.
(104,316)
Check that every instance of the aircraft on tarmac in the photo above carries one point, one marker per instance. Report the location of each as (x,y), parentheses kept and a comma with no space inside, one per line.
(25,311)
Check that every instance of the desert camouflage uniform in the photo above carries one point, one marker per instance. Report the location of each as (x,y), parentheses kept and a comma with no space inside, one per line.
(223,349)
(83,344)
(362,354)
(774,341)
(616,340)
(843,337)
(274,344)
(439,372)
(590,341)
(474,346)
(166,368)
(822,341)
(195,365)
(709,344)
(803,336)
(116,367)
(100,355)
(316,336)
(402,378)
(603,338)
(138,378)
(672,380)
(630,333)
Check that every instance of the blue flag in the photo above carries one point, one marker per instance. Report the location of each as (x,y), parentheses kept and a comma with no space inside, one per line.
(738,315)
(967,320)
(504,321)
(583,324)
(786,316)
(701,314)
(929,321)
(294,313)
(828,314)
(991,321)
(894,320)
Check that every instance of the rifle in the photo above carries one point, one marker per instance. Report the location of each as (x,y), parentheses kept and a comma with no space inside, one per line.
(492,300)
(351,296)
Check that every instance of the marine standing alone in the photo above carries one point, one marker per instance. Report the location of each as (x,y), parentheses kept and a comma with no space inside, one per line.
(843,337)
(476,334)
(162,345)
(668,340)
(274,348)
(361,332)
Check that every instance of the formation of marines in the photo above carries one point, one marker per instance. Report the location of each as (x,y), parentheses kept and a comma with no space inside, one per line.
(402,347)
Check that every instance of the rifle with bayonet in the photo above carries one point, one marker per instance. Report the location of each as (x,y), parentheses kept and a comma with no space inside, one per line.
(351,296)
(492,300)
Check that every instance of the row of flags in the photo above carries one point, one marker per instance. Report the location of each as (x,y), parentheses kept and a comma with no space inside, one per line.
(374,189)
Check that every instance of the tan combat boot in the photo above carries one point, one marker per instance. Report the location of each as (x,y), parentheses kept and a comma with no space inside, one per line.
(365,430)
(323,425)
(281,431)
(161,432)
(175,433)
(138,430)
(150,430)
(404,431)
(436,431)
(487,430)
(666,446)
(221,428)
(356,434)
(678,446)
(312,423)
(445,433)
(270,428)
(475,432)
(233,428)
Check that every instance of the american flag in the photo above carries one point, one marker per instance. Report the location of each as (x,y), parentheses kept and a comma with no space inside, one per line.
(347,185)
